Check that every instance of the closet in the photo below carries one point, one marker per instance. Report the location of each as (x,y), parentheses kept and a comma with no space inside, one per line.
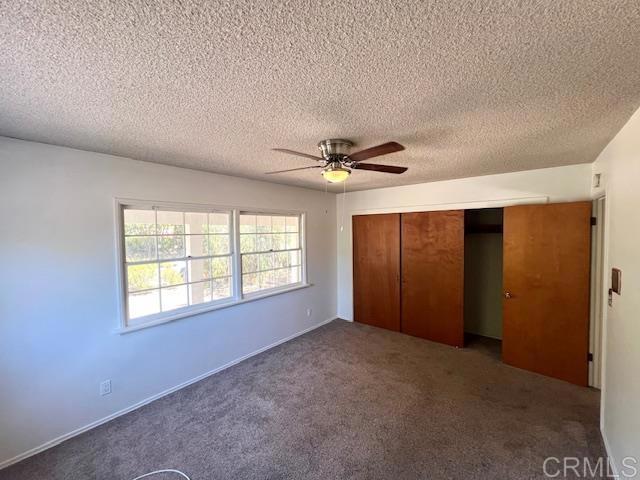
(546,289)
(520,274)
(433,275)
(483,278)
(376,270)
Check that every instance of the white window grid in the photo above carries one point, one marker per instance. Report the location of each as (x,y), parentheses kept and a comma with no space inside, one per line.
(186,258)
(234,254)
(257,252)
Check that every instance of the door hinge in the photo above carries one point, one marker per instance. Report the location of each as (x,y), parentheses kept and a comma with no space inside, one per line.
(594,221)
(589,357)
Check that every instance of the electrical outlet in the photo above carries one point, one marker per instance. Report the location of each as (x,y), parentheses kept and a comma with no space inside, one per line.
(309,312)
(105,387)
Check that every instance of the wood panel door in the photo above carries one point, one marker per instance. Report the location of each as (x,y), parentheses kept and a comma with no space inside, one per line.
(376,270)
(433,276)
(546,288)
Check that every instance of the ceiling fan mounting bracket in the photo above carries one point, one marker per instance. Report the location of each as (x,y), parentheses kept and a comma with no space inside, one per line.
(335,149)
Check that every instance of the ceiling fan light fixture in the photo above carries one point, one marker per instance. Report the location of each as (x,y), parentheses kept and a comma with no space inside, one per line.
(336,157)
(336,174)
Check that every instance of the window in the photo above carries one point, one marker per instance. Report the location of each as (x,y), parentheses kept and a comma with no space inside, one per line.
(177,261)
(271,251)
(174,259)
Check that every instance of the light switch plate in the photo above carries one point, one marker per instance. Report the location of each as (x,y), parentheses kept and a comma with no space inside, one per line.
(616,280)
(596,180)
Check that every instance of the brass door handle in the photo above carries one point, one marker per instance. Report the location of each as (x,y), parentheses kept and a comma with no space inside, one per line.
(507,295)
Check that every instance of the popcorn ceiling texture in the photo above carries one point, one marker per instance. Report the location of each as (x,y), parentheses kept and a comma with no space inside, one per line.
(469,87)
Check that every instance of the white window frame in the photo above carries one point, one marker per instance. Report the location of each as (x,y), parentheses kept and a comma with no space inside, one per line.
(236,298)
(302,249)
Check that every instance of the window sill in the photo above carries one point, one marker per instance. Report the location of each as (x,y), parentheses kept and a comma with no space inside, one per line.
(209,308)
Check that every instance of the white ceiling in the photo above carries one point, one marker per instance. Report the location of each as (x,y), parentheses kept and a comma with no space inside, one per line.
(470,87)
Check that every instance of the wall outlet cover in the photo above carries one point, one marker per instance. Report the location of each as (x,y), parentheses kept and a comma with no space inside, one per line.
(105,387)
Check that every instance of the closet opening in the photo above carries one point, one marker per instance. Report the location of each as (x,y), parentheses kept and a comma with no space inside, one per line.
(483,280)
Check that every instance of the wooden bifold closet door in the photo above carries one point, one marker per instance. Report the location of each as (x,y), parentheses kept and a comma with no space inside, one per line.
(376,270)
(433,275)
(546,289)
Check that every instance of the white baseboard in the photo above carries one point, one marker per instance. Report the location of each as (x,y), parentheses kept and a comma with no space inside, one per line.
(612,460)
(67,436)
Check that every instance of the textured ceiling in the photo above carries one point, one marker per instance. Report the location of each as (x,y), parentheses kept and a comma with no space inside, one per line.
(469,87)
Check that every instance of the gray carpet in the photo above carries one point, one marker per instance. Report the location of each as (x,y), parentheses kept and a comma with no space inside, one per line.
(345,401)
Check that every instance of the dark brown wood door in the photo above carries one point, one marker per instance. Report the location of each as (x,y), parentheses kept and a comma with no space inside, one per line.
(433,276)
(376,270)
(546,287)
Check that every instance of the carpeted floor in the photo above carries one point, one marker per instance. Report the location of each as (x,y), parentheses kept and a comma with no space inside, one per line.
(346,401)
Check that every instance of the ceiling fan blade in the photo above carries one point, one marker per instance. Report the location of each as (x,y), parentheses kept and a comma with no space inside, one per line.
(383,149)
(379,168)
(299,154)
(293,169)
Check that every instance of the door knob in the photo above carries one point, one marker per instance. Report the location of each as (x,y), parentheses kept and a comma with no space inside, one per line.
(507,294)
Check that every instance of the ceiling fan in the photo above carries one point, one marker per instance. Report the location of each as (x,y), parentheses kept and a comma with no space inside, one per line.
(336,162)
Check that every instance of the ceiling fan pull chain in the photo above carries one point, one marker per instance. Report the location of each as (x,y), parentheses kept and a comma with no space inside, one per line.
(344,204)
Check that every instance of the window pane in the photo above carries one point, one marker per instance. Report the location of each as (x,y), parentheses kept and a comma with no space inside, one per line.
(142,277)
(197,245)
(295,274)
(196,222)
(263,243)
(247,224)
(199,269)
(278,224)
(171,247)
(144,303)
(249,263)
(247,243)
(173,297)
(221,267)
(199,292)
(281,277)
(139,222)
(266,280)
(194,253)
(170,223)
(173,273)
(280,259)
(293,240)
(265,261)
(221,288)
(293,224)
(219,244)
(140,249)
(250,283)
(294,258)
(219,222)
(263,223)
(286,276)
(278,241)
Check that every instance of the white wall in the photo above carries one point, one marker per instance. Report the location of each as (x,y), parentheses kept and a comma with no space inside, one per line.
(483,284)
(561,184)
(58,289)
(619,164)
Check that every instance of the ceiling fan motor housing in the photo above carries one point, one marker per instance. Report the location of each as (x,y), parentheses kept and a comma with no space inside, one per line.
(335,149)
